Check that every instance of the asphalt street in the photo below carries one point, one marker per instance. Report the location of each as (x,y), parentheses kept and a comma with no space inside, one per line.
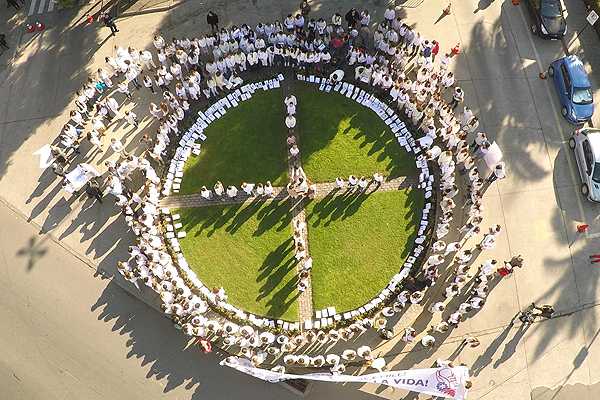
(67,332)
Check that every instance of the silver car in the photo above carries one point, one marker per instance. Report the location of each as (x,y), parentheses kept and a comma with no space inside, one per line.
(585,142)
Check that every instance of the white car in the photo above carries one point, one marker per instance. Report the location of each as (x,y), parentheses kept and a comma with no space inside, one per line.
(585,142)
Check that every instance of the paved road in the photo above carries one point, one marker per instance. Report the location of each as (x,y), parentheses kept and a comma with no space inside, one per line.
(68,333)
(45,334)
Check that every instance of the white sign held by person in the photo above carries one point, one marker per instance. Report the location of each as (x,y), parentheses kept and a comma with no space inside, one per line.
(493,156)
(443,382)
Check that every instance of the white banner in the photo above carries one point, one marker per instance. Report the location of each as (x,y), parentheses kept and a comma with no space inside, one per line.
(443,382)
(493,156)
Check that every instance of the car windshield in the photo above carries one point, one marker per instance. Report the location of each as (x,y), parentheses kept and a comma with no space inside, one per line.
(550,9)
(582,96)
(596,174)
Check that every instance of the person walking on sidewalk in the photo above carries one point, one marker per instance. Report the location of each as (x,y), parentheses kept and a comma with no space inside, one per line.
(110,22)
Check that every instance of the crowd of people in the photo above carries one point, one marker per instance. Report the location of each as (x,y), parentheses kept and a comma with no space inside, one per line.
(393,59)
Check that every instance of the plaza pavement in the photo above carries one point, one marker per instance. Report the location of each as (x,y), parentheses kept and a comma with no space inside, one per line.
(539,205)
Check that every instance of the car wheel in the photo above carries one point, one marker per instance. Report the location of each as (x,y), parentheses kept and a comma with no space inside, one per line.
(563,111)
(534,28)
(572,143)
(584,189)
(551,71)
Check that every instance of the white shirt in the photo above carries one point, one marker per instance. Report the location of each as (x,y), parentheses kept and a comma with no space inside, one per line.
(290,99)
(207,194)
(248,188)
(290,121)
(232,192)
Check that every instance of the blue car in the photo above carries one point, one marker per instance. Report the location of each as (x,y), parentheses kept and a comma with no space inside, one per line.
(574,89)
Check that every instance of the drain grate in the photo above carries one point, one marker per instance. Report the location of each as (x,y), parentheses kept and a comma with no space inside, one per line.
(299,386)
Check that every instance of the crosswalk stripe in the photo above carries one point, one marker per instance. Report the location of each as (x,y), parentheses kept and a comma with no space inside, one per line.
(50,6)
(42,4)
(32,8)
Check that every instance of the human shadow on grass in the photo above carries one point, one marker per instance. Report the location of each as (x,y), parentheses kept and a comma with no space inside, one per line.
(273,214)
(332,208)
(243,215)
(273,271)
(281,301)
(224,218)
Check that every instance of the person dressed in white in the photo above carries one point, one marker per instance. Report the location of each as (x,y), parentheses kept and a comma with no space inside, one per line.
(290,98)
(352,181)
(339,182)
(219,189)
(268,189)
(248,188)
(362,184)
(428,341)
(290,121)
(232,191)
(438,308)
(291,108)
(378,178)
(206,193)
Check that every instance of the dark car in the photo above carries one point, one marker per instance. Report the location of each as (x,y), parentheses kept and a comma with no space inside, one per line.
(547,18)
(574,89)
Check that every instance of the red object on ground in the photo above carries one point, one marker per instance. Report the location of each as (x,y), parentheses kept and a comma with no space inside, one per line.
(40,26)
(456,49)
(89,19)
(30,28)
(543,75)
(205,345)
(447,10)
(516,2)
(582,228)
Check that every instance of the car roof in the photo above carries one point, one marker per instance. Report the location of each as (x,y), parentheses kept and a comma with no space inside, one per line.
(576,71)
(593,136)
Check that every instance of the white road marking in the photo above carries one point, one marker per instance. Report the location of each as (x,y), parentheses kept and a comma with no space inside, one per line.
(42,4)
(565,144)
(50,6)
(32,8)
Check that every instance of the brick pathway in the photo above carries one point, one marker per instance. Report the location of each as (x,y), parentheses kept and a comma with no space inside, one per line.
(279,193)
(305,301)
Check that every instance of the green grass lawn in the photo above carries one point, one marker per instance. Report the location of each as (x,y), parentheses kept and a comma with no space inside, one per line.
(358,243)
(249,251)
(339,137)
(246,144)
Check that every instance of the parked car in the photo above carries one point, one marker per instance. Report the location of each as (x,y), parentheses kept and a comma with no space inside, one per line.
(585,142)
(547,18)
(574,89)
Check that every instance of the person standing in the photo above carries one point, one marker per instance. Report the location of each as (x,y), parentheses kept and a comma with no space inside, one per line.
(352,17)
(304,8)
(93,190)
(206,193)
(219,190)
(110,22)
(213,20)
(457,97)
(498,173)
(3,42)
(131,118)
